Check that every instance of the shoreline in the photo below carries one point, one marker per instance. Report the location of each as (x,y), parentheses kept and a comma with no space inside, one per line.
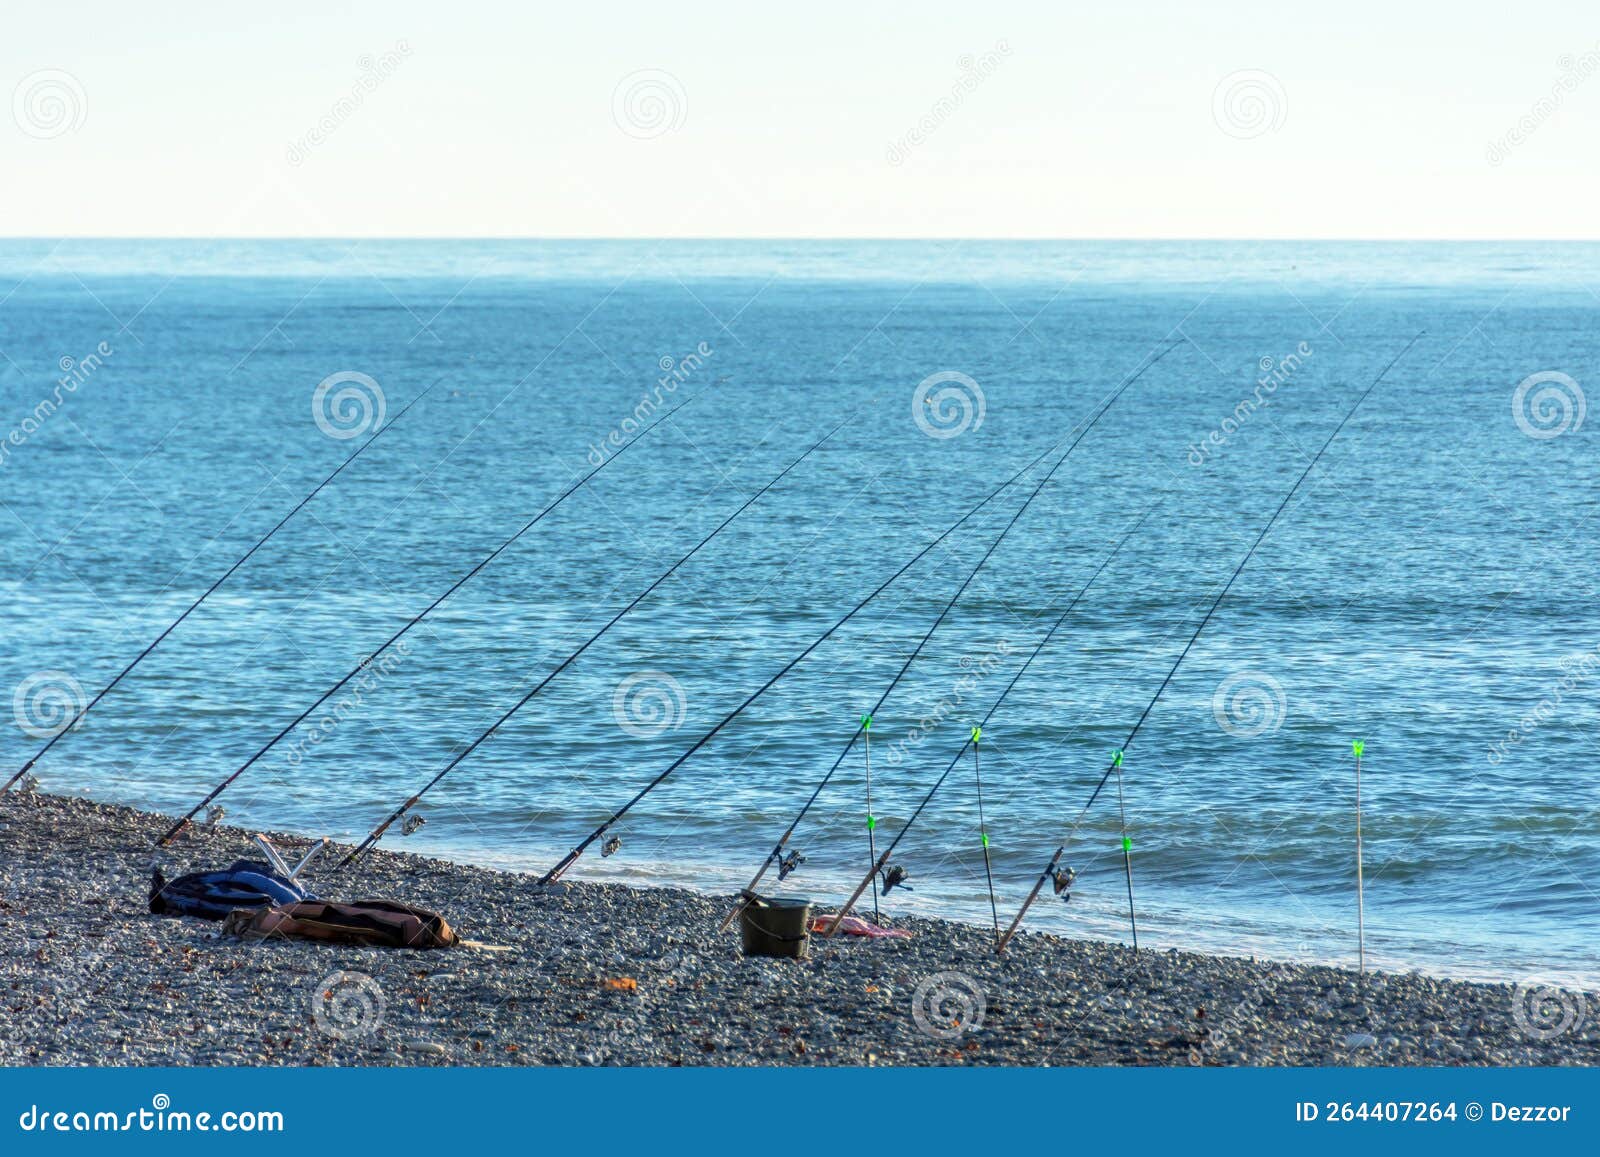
(89,977)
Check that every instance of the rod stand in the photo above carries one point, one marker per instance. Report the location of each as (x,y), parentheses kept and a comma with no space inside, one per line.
(281,866)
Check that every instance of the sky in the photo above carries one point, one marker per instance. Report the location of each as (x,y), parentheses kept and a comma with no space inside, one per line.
(1049,120)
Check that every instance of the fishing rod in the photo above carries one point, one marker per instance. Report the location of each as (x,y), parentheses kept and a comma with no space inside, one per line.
(366,662)
(788,864)
(244,558)
(872,820)
(1052,869)
(571,857)
(377,832)
(883,859)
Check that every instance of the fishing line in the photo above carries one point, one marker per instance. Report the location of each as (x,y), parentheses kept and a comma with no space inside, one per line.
(415,619)
(983,831)
(244,558)
(377,832)
(1116,762)
(883,859)
(788,864)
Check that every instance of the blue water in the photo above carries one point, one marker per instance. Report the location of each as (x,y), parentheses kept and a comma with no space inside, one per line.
(1432,584)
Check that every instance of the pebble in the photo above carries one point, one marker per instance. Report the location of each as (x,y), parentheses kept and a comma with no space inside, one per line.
(121,985)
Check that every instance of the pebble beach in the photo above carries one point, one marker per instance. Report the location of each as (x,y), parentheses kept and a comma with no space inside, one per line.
(602,974)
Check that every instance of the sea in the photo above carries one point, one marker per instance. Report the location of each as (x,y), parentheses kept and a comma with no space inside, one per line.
(1428,593)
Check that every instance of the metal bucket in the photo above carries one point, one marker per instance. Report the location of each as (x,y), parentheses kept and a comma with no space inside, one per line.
(775,926)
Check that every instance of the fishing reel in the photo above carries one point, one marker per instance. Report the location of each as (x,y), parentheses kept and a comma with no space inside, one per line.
(28,782)
(1063,879)
(894,876)
(610,846)
(413,824)
(214,815)
(789,863)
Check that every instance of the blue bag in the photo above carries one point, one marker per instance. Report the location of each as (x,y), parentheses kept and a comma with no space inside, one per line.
(212,895)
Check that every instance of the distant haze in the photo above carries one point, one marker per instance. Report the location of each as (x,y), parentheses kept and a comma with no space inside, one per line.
(1229,119)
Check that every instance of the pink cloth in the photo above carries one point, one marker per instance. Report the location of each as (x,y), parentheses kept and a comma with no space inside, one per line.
(856,926)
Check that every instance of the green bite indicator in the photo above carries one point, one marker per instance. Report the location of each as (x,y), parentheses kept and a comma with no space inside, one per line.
(1116,758)
(1358,746)
(985,837)
(866,723)
(1127,845)
(872,823)
(977,734)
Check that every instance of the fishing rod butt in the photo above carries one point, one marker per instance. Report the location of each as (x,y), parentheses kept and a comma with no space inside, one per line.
(555,873)
(172,833)
(26,768)
(355,854)
(749,889)
(1033,894)
(856,895)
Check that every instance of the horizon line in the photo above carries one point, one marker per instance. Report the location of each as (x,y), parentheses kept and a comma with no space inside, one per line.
(791,238)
